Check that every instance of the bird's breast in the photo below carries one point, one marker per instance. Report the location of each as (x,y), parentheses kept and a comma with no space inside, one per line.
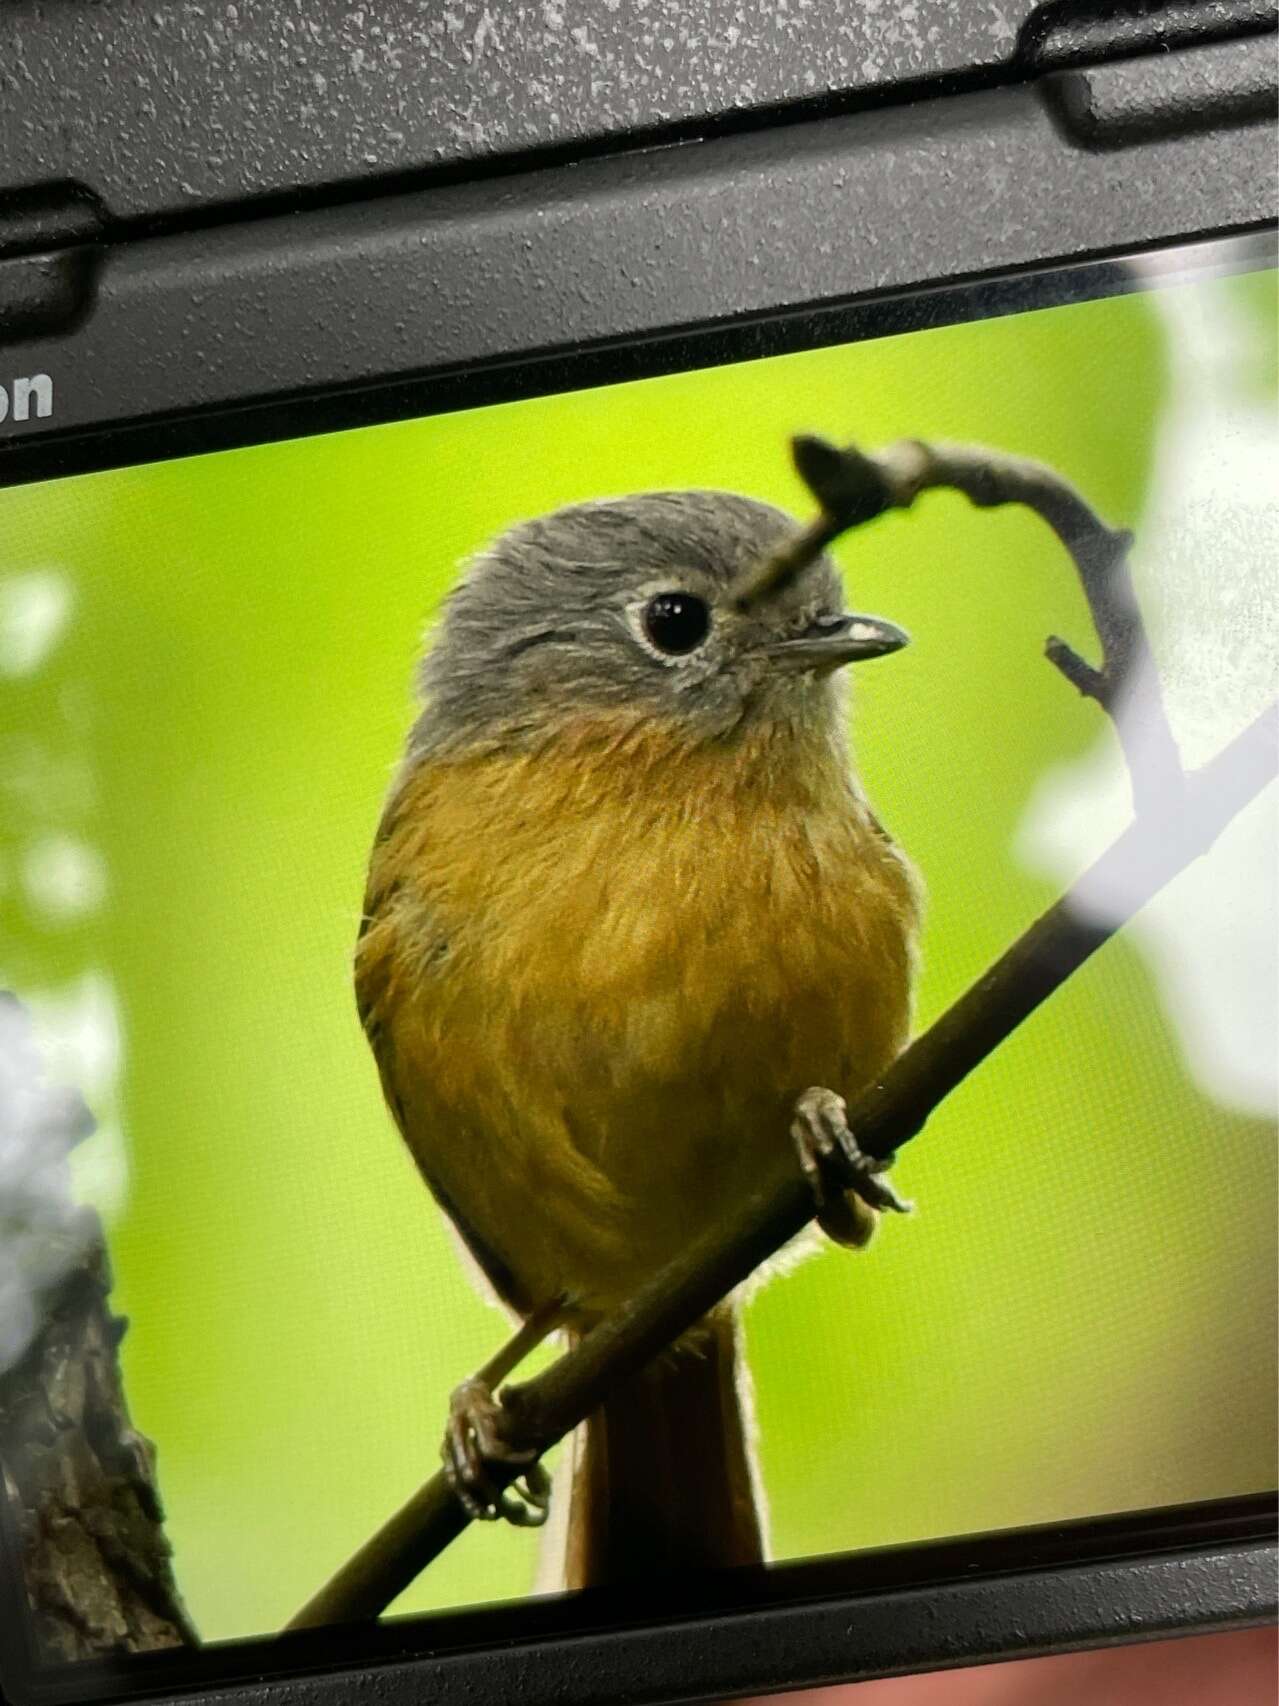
(640,953)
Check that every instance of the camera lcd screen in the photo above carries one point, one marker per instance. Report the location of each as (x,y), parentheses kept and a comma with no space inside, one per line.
(207,688)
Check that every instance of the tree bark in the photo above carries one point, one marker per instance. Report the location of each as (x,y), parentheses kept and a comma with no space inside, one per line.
(81,1528)
(79,1482)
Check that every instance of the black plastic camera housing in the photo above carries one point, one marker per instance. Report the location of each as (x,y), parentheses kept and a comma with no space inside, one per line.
(219,231)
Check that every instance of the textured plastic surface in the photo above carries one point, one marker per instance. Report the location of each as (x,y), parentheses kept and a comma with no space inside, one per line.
(1114,105)
(168,106)
(917,1629)
(623,247)
(1016,1615)
(170,109)
(1074,32)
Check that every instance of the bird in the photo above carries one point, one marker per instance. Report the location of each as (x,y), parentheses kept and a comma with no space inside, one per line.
(632,938)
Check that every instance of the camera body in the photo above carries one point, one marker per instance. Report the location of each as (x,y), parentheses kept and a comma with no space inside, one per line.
(137,287)
(221,234)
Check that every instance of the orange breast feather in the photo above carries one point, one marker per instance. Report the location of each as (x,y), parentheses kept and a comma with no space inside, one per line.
(595,978)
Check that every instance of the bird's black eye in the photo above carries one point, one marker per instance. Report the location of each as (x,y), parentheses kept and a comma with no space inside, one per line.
(676,622)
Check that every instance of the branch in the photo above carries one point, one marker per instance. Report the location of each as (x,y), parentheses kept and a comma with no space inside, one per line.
(1146,856)
(852,487)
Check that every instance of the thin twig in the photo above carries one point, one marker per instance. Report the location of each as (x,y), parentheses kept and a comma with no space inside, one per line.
(853,487)
(1145,857)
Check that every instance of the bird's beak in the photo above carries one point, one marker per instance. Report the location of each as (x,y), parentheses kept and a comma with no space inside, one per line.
(833,641)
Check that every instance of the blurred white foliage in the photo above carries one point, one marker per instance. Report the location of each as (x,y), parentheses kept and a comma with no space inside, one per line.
(35,607)
(65,879)
(80,1035)
(1208,547)
(42,1231)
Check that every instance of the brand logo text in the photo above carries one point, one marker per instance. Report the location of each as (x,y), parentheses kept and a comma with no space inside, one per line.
(23,397)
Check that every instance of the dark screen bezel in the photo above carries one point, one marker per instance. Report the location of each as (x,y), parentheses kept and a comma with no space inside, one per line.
(1179,1569)
(1226,1544)
(208,430)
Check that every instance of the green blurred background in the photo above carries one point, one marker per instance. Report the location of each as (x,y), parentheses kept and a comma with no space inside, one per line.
(207,684)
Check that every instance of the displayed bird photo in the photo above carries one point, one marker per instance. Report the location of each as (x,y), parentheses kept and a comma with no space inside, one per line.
(470,889)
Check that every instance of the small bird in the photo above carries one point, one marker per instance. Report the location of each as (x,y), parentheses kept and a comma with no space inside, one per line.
(631,937)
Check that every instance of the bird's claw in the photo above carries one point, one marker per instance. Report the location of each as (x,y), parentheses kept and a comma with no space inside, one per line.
(830,1157)
(474,1440)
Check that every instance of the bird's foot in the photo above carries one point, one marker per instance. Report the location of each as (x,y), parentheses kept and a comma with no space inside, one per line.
(474,1441)
(831,1159)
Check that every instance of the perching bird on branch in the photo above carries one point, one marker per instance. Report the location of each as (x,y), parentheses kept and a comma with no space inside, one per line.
(626,906)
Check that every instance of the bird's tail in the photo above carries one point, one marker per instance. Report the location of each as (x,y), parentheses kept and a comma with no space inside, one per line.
(663,1476)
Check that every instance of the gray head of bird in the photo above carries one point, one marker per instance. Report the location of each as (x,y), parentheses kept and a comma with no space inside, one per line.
(628,605)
